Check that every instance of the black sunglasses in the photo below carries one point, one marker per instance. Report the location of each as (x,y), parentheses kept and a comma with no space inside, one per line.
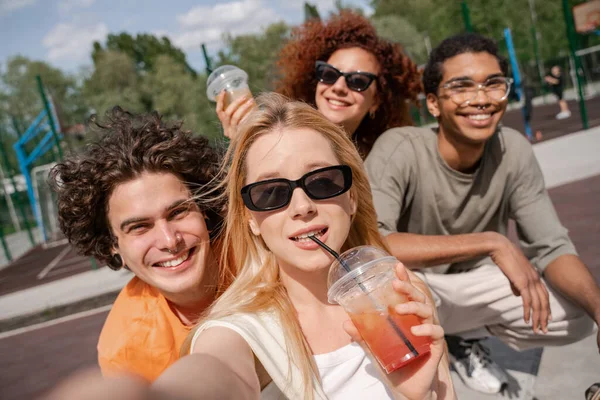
(320,184)
(357,81)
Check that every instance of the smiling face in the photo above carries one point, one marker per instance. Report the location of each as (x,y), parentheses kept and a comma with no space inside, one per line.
(476,121)
(341,105)
(161,235)
(290,154)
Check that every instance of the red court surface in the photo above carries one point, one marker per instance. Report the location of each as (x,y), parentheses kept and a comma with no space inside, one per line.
(543,119)
(32,362)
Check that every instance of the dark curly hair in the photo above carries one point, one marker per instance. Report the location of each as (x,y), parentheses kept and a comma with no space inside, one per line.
(398,80)
(130,145)
(453,46)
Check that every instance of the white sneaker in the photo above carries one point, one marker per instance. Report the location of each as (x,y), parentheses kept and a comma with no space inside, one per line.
(563,115)
(471,360)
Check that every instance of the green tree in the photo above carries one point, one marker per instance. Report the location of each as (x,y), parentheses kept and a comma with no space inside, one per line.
(114,81)
(256,54)
(400,30)
(143,49)
(440,19)
(311,12)
(179,96)
(20,98)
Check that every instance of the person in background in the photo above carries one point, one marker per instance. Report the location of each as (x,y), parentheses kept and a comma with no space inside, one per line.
(444,197)
(556,81)
(128,201)
(342,67)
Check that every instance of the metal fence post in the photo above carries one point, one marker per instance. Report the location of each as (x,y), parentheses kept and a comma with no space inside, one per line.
(572,49)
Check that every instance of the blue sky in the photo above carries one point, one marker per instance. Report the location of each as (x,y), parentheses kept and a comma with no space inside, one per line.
(61,32)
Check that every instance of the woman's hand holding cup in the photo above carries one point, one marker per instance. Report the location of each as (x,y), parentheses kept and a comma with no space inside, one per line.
(231,115)
(418,379)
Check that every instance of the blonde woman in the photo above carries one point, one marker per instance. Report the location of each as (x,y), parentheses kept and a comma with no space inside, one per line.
(273,334)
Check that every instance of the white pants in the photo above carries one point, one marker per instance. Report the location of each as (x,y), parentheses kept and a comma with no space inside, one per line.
(482,298)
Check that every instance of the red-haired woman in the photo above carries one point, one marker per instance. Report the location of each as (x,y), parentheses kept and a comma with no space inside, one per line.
(352,76)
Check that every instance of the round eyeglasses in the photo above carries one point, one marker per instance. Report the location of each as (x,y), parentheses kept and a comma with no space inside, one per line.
(464,91)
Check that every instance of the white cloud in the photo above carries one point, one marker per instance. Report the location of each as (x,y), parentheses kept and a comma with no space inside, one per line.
(70,42)
(7,6)
(207,24)
(67,5)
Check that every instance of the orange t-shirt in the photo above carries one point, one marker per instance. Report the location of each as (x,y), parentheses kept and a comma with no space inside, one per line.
(141,334)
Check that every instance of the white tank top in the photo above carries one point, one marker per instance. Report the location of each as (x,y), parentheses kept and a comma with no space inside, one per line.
(346,373)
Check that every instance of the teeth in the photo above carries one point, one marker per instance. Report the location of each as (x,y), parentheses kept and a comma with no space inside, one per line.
(175,262)
(479,117)
(337,102)
(304,236)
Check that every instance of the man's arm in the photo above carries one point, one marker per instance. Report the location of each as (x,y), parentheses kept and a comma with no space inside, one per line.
(423,251)
(420,251)
(570,276)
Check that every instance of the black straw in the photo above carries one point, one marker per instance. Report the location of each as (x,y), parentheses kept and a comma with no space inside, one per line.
(330,251)
(364,289)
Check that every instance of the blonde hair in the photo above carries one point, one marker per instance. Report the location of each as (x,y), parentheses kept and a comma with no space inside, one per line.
(257,286)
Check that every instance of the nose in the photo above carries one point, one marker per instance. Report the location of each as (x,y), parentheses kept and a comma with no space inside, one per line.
(301,205)
(340,85)
(481,98)
(169,239)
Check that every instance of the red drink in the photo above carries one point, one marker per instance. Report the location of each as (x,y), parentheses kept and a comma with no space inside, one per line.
(360,280)
(390,349)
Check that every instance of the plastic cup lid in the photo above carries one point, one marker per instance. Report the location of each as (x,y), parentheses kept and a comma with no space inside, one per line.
(220,75)
(352,264)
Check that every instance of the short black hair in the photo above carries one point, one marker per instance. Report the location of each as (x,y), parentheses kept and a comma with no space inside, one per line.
(453,46)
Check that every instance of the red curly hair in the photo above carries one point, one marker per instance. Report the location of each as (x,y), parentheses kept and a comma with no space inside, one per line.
(398,81)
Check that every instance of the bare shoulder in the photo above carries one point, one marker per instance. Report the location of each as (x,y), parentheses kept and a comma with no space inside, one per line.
(218,338)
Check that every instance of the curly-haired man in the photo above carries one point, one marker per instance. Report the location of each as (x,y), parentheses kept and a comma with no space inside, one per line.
(128,201)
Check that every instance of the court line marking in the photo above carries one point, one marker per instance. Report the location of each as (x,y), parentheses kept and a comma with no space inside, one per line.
(54,262)
(56,321)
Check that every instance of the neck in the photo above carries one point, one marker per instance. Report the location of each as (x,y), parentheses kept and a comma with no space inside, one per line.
(189,305)
(460,156)
(189,313)
(306,289)
(350,127)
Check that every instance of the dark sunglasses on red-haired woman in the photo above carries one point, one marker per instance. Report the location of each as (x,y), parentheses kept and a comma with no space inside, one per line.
(358,81)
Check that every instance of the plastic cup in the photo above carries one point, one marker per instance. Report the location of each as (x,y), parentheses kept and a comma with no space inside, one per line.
(361,282)
(229,78)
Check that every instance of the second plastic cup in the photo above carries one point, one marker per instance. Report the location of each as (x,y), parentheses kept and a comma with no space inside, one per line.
(361,282)
(229,78)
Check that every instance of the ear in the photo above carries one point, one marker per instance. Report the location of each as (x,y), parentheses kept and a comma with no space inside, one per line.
(433,105)
(375,106)
(353,205)
(254,226)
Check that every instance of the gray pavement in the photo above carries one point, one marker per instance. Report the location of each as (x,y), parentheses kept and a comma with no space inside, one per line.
(569,158)
(65,291)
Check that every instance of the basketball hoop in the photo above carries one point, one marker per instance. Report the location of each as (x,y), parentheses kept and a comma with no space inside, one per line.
(587,17)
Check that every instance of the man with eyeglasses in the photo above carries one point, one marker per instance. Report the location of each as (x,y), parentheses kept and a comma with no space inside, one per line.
(444,197)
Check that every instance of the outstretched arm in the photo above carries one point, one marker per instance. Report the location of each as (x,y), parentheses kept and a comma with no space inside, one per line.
(221,366)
